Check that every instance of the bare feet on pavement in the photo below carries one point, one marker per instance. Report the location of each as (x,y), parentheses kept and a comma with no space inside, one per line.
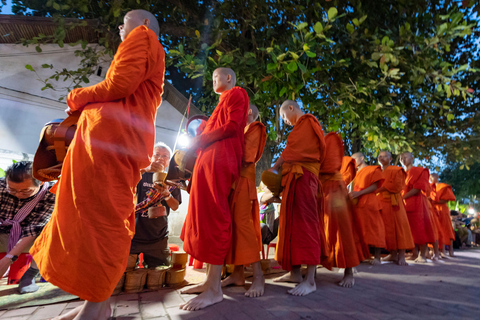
(348,281)
(303,288)
(235,279)
(257,288)
(290,277)
(205,299)
(199,288)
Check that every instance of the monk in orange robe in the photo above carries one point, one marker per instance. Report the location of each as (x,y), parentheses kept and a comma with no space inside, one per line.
(441,194)
(348,170)
(341,232)
(247,236)
(434,254)
(207,231)
(397,229)
(300,234)
(84,248)
(416,204)
(367,208)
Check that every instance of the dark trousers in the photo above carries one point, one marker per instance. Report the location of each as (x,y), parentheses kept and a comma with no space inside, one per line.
(154,254)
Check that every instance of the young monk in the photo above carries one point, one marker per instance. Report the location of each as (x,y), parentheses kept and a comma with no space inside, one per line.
(341,232)
(441,194)
(367,208)
(419,216)
(348,170)
(207,231)
(300,235)
(84,248)
(247,236)
(397,229)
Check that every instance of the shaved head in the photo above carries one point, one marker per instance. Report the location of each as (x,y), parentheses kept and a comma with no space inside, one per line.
(254,114)
(290,103)
(384,158)
(359,158)
(228,71)
(144,14)
(406,159)
(434,178)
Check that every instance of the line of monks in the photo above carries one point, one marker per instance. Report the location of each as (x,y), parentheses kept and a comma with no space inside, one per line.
(321,220)
(85,246)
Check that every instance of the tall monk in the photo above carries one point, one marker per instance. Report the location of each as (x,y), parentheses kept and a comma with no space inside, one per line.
(207,231)
(341,230)
(247,236)
(348,170)
(398,235)
(84,248)
(419,216)
(300,234)
(367,208)
(441,194)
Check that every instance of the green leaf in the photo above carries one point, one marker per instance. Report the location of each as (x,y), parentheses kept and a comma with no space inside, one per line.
(283,91)
(332,13)
(311,54)
(56,6)
(302,67)
(47,66)
(294,55)
(29,67)
(376,55)
(292,66)
(2,173)
(318,27)
(281,57)
(450,117)
(356,22)
(302,26)
(85,79)
(38,49)
(350,28)
(362,19)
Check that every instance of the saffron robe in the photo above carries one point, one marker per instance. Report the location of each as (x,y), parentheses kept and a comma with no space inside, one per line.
(348,170)
(207,231)
(342,233)
(84,248)
(419,216)
(247,236)
(301,234)
(443,191)
(367,207)
(398,235)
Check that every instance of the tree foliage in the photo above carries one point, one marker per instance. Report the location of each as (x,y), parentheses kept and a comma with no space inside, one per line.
(465,183)
(395,75)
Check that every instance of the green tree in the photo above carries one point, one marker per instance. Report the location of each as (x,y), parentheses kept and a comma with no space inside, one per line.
(465,183)
(395,75)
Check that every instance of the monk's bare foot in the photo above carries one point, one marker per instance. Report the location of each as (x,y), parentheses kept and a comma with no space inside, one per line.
(391,257)
(375,262)
(450,253)
(199,288)
(443,255)
(421,259)
(257,288)
(402,262)
(205,299)
(234,279)
(69,315)
(303,288)
(290,277)
(435,257)
(95,311)
(348,281)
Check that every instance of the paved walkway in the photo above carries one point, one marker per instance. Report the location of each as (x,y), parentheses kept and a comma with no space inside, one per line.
(440,290)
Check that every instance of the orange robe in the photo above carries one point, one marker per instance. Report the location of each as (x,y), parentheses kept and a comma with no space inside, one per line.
(367,207)
(300,234)
(342,234)
(398,235)
(247,236)
(348,170)
(84,248)
(419,216)
(443,191)
(207,231)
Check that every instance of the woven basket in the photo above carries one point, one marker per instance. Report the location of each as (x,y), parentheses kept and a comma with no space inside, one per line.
(135,280)
(119,286)
(175,276)
(179,259)
(132,262)
(156,278)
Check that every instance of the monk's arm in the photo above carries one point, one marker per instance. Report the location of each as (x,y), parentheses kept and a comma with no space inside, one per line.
(357,194)
(411,193)
(128,73)
(236,113)
(277,164)
(252,142)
